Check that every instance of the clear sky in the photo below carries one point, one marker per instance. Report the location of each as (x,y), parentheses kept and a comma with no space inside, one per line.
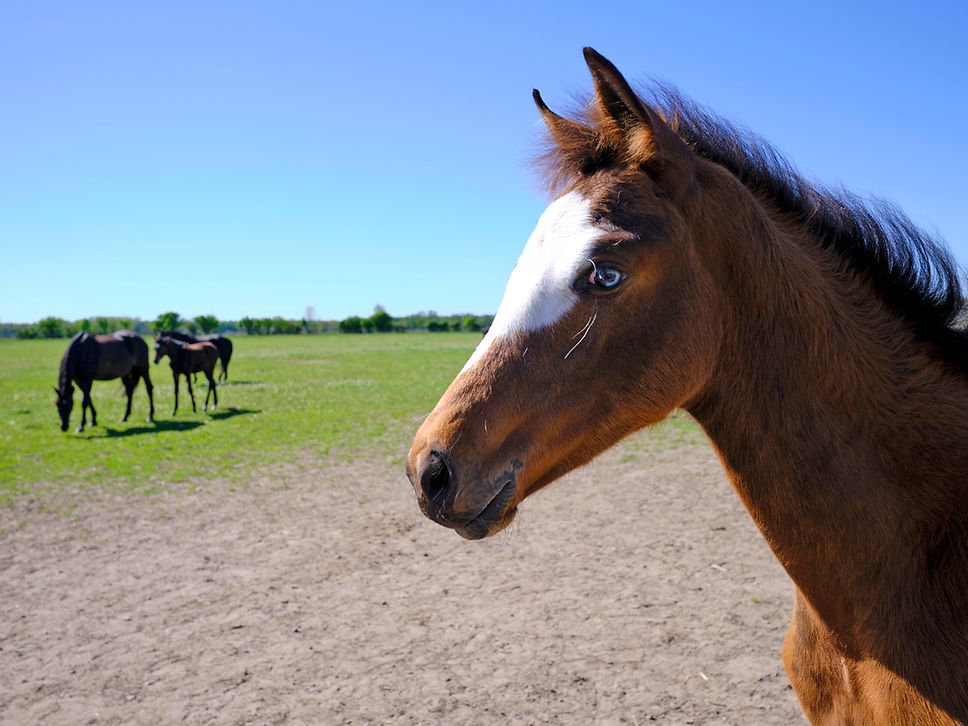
(253,158)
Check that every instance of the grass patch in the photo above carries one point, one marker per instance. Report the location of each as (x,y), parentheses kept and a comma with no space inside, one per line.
(288,395)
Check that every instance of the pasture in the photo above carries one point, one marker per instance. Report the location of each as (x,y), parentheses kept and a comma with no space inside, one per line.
(287,397)
(267,563)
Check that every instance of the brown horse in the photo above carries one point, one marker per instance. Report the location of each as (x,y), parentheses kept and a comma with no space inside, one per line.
(685,264)
(188,358)
(90,358)
(223,343)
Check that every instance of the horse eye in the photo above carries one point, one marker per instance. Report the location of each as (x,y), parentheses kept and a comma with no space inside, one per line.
(605,278)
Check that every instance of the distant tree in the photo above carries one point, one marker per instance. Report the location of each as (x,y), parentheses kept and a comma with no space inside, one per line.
(282,326)
(103,325)
(381,321)
(84,326)
(207,323)
(51,327)
(28,332)
(470,323)
(352,324)
(167,321)
(435,326)
(191,326)
(249,325)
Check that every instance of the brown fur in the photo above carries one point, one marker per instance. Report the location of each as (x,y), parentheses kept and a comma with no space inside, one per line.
(817,352)
(188,358)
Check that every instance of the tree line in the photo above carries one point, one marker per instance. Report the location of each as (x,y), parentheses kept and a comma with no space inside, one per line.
(379,322)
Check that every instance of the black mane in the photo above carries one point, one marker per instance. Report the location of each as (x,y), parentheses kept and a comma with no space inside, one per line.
(914,274)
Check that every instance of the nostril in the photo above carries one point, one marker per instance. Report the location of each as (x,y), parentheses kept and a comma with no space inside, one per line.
(435,478)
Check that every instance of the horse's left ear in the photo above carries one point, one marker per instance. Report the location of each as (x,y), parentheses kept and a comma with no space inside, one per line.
(632,125)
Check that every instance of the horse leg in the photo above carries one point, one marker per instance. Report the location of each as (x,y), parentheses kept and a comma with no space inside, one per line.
(86,403)
(188,380)
(175,375)
(151,396)
(130,381)
(83,423)
(211,390)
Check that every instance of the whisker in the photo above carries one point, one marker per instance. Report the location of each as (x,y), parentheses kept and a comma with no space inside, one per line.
(591,322)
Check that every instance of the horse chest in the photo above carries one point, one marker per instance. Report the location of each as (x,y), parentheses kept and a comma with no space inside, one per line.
(834,688)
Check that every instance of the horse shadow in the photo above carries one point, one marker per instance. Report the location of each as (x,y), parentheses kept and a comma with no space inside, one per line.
(232,412)
(168,425)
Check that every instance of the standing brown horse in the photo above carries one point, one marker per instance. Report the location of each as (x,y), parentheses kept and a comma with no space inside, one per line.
(188,358)
(685,264)
(90,358)
(223,343)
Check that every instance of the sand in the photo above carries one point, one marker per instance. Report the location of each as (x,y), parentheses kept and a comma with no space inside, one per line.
(630,592)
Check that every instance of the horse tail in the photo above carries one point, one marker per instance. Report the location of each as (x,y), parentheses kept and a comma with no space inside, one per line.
(227,346)
(139,352)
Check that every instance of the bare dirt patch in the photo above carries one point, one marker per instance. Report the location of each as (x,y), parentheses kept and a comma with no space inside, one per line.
(630,592)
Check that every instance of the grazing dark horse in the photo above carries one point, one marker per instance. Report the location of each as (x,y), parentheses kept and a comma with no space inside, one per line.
(685,264)
(188,358)
(90,358)
(221,342)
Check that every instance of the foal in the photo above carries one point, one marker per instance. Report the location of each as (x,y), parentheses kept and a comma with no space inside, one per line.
(685,264)
(188,358)
(223,343)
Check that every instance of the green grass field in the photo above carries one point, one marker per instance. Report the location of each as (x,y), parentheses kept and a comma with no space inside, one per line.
(288,397)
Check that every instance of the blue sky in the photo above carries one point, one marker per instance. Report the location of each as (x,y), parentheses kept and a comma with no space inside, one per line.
(256,158)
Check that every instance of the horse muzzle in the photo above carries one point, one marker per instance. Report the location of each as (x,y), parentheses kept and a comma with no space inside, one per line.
(473,506)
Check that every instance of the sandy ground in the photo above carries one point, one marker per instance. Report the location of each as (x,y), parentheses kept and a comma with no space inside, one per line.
(630,592)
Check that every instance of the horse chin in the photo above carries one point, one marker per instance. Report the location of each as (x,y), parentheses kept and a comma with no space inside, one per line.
(494,517)
(481,527)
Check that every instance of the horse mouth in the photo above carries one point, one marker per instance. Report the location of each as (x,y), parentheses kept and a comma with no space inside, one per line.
(493,518)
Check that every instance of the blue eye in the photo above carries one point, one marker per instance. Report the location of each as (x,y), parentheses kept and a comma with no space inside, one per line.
(605,277)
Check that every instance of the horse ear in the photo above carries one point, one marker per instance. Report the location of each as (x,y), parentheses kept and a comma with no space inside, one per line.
(564,132)
(632,124)
(57,391)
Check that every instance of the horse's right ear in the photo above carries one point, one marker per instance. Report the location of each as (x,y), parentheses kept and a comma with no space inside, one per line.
(564,132)
(57,391)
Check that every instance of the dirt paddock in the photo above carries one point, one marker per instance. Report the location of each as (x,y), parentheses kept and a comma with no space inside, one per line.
(630,592)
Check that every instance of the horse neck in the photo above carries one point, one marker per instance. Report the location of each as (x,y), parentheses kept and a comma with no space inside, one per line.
(69,363)
(844,437)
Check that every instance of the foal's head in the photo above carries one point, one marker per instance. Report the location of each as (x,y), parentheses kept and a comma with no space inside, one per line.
(163,347)
(608,322)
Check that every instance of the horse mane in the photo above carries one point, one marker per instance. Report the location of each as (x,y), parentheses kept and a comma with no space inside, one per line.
(913,274)
(176,335)
(68,364)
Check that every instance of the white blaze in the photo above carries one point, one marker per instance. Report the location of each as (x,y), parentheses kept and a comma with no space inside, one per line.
(539,291)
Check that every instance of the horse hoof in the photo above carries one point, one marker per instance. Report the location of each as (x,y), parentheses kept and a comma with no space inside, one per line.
(80,429)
